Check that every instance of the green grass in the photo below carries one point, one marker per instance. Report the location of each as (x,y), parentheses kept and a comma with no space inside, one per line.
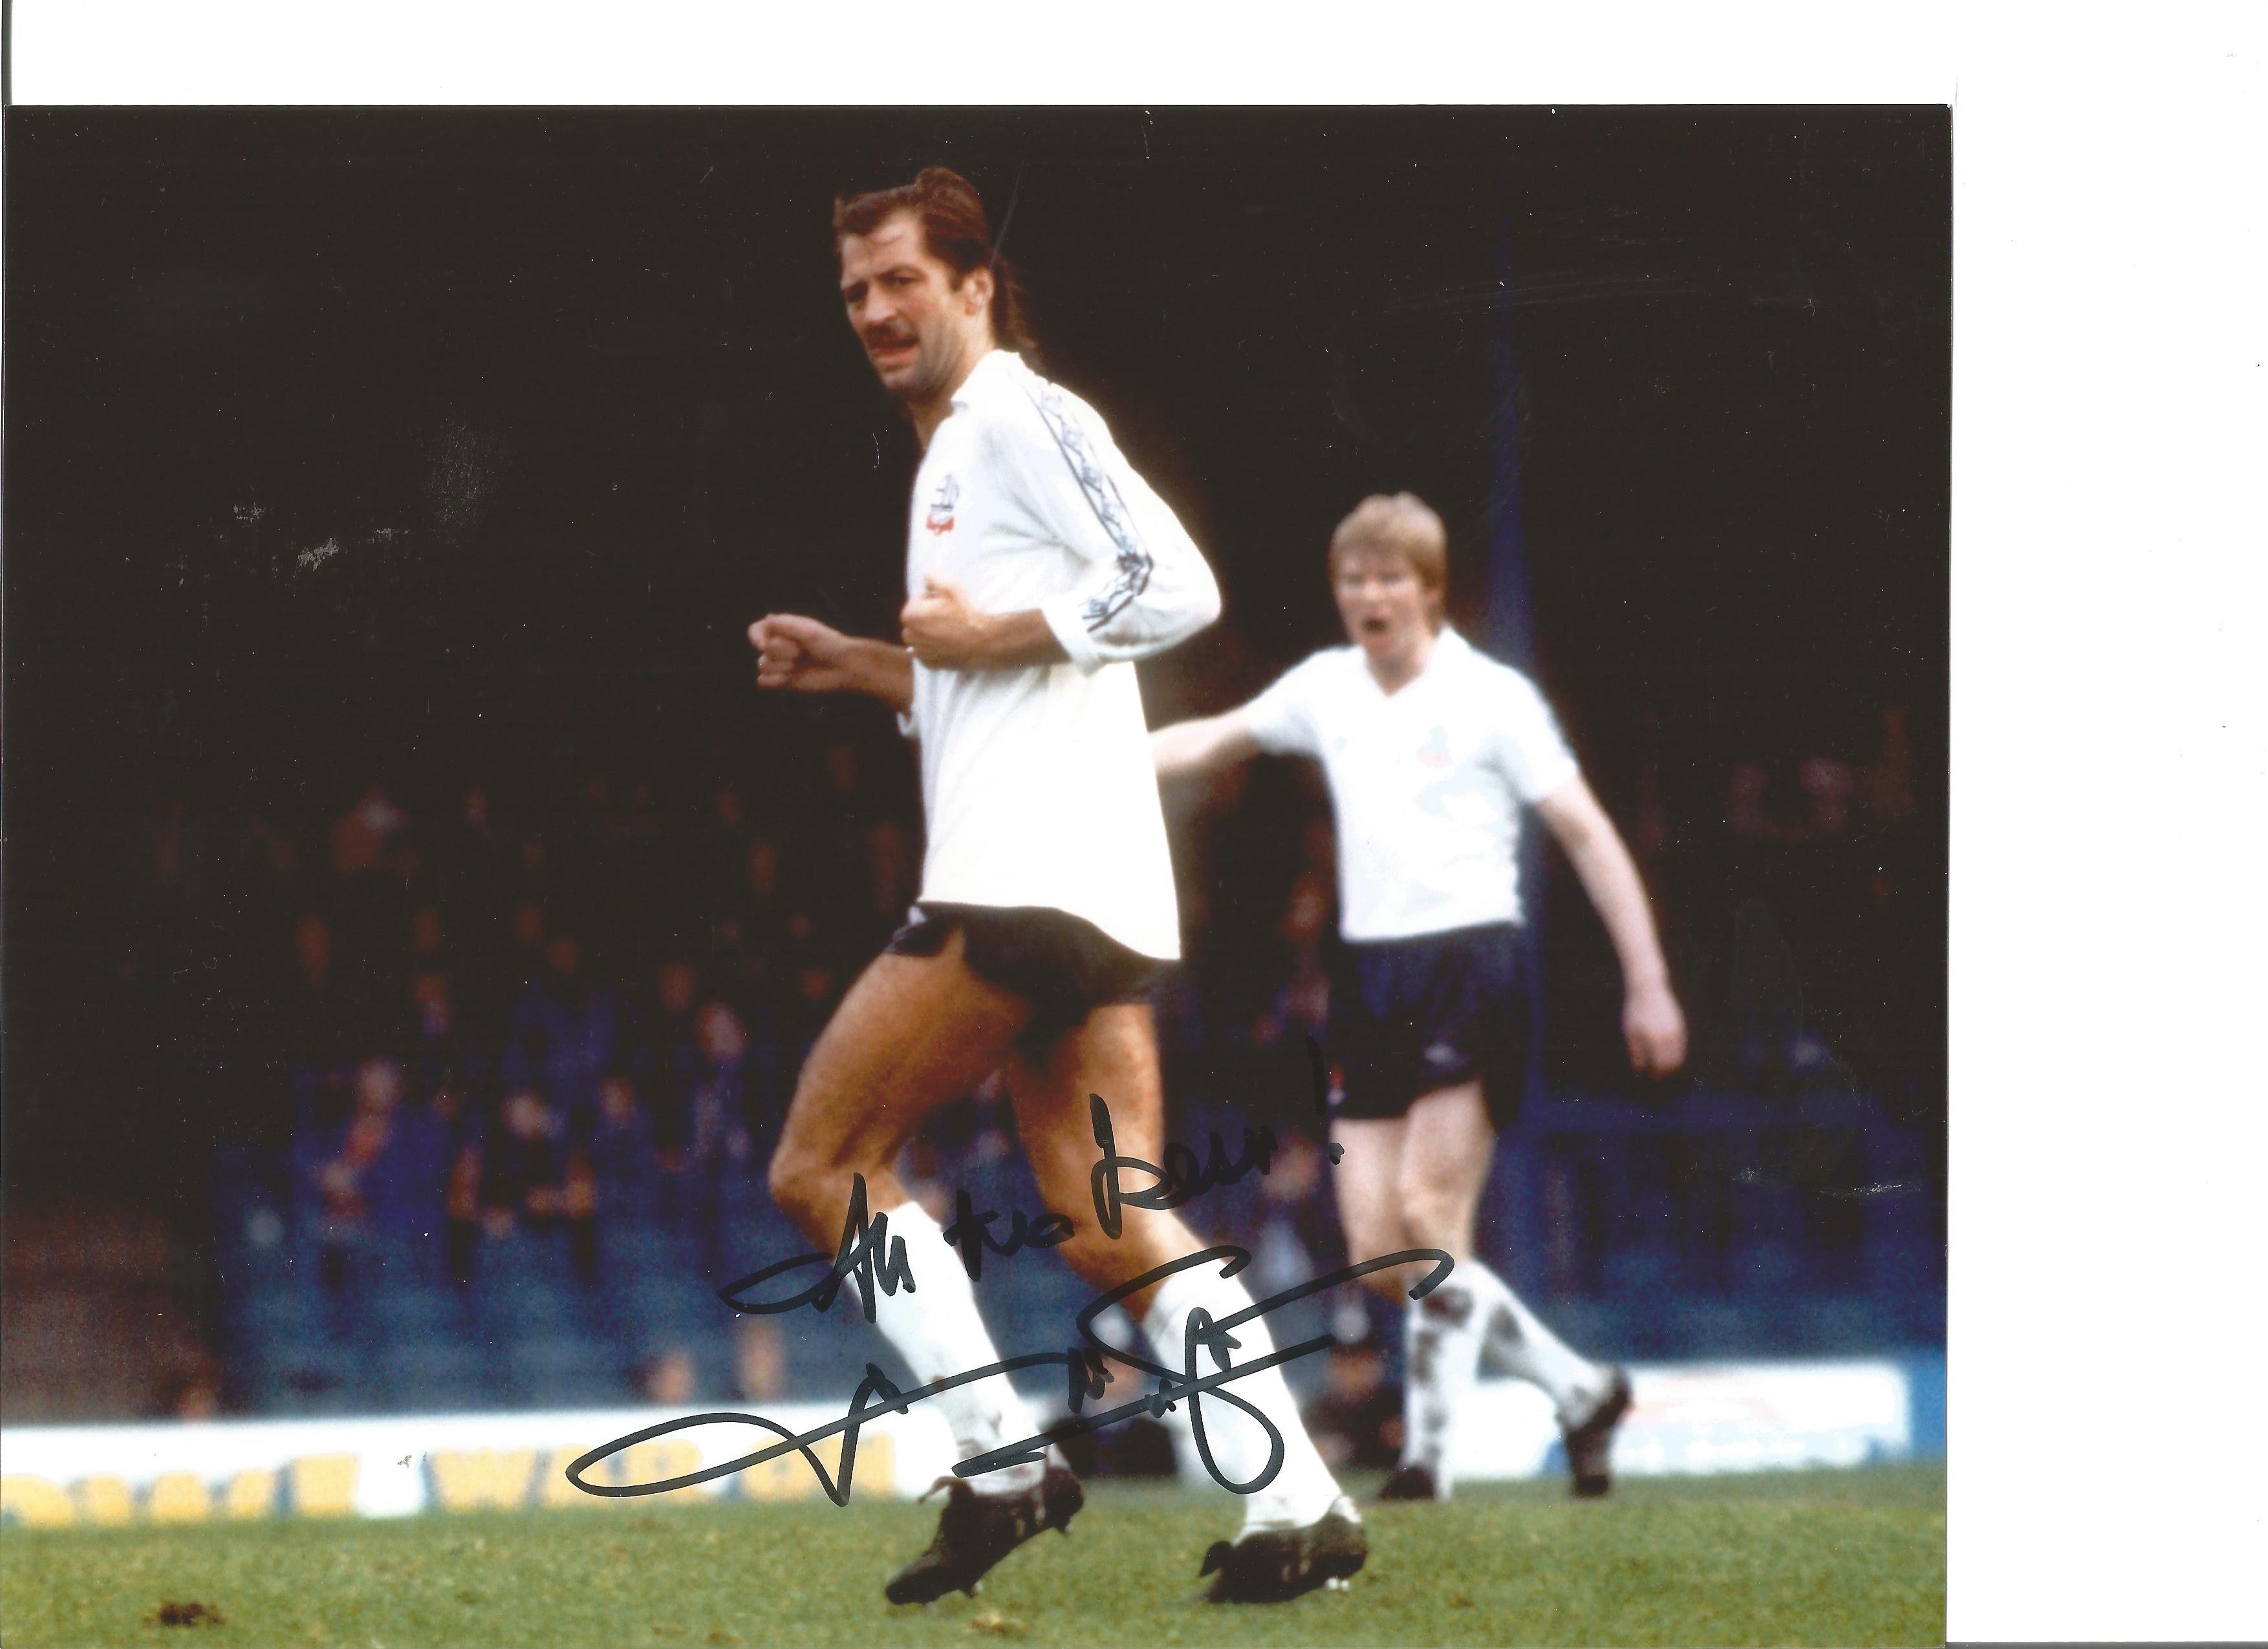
(1808,1557)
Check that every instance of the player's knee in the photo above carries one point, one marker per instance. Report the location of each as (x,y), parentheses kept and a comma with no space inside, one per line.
(1447,1228)
(1433,1215)
(1374,1239)
(804,1185)
(784,1178)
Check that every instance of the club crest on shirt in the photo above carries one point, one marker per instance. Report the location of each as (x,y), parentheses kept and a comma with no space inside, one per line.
(941,504)
(1435,751)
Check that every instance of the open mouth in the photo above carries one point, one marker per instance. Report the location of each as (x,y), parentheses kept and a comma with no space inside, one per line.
(1373,626)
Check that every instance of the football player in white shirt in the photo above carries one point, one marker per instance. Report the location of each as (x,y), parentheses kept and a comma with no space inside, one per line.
(1430,748)
(1039,566)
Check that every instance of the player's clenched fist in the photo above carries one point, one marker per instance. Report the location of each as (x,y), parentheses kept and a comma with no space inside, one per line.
(1654,1026)
(802,654)
(805,656)
(943,626)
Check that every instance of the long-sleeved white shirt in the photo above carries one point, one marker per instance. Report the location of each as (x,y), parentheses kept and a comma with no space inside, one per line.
(1037,782)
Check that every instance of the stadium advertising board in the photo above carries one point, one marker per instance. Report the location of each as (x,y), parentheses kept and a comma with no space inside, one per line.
(1713,1417)
(216,1471)
(1708,1417)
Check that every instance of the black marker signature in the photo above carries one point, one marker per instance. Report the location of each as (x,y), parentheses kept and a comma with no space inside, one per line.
(1183,1176)
(971,1232)
(854,1256)
(1084,1365)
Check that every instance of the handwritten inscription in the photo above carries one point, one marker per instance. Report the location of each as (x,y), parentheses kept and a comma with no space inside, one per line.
(1180,1178)
(869,1255)
(854,1257)
(971,1232)
(1086,1366)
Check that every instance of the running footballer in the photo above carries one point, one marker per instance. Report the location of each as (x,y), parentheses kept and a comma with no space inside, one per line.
(1039,566)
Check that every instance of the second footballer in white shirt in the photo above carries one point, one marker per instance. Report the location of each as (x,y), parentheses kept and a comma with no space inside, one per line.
(1431,750)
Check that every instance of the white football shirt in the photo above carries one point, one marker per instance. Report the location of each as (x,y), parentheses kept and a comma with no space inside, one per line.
(1427,782)
(1038,782)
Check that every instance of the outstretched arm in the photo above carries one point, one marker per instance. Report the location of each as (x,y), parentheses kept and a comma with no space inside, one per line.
(805,656)
(1653,1023)
(1193,748)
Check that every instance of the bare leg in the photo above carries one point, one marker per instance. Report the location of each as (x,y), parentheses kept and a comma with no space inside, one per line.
(1445,1151)
(913,1034)
(1114,1054)
(1414,1182)
(1447,1140)
(1368,1183)
(1444,1165)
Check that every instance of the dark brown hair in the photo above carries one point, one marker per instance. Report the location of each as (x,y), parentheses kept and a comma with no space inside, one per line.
(955,232)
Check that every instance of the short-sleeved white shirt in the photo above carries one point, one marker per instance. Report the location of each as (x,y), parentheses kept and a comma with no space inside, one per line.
(1037,782)
(1427,782)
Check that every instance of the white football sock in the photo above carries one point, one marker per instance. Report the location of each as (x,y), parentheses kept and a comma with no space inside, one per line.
(1303,1488)
(935,1327)
(1516,1338)
(1441,1338)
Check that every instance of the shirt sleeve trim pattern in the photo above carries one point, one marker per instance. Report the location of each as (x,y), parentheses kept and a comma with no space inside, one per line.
(1134,562)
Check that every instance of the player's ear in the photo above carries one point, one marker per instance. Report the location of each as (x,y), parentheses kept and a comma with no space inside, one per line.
(977,289)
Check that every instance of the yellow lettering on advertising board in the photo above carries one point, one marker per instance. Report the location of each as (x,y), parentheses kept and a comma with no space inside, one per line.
(104,1499)
(658,1462)
(788,1476)
(555,1491)
(179,1496)
(250,1494)
(481,1479)
(323,1486)
(34,1502)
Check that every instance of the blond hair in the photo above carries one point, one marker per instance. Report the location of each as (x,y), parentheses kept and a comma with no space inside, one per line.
(1402,525)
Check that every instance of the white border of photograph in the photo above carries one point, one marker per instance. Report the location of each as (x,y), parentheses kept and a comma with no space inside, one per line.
(2107,760)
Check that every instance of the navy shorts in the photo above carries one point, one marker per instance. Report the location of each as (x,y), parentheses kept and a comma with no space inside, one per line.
(1064,964)
(1411,1016)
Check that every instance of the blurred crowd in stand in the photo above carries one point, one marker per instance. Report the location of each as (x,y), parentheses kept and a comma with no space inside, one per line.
(460,1013)
(1812,920)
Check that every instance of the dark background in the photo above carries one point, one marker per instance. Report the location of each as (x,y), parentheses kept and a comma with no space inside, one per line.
(426,445)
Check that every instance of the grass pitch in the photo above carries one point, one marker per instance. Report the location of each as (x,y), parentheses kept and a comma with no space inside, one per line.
(1798,1558)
